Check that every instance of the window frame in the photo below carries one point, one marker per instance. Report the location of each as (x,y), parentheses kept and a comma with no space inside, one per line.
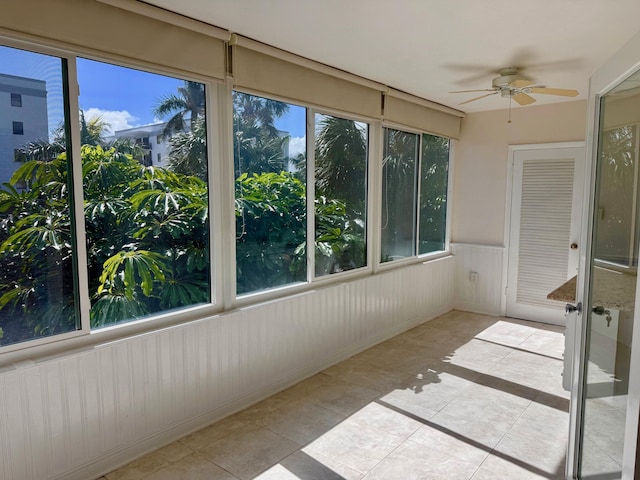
(16,100)
(17,127)
(84,336)
(311,281)
(219,114)
(417,257)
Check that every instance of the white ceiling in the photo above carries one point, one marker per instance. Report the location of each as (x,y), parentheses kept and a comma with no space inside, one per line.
(430,47)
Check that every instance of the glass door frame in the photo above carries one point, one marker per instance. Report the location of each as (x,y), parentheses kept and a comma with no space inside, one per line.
(623,64)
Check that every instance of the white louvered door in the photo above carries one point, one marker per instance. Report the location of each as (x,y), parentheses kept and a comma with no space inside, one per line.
(544,226)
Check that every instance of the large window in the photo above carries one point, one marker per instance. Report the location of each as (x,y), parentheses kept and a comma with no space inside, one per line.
(399,194)
(37,242)
(134,191)
(147,226)
(434,183)
(340,194)
(413,222)
(269,142)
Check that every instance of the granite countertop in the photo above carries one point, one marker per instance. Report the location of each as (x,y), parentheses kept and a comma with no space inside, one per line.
(611,289)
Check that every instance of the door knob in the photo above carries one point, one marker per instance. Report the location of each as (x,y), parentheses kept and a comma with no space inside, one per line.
(573,308)
(574,246)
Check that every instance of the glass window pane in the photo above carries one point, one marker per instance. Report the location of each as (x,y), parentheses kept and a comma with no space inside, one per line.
(433,193)
(270,168)
(37,274)
(147,225)
(341,194)
(399,187)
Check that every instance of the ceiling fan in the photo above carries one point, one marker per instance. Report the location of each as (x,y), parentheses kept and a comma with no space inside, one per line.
(510,84)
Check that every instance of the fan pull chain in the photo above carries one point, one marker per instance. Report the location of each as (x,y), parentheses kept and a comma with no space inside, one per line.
(510,98)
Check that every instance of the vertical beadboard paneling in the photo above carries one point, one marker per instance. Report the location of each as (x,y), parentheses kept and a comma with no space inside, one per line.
(485,295)
(79,415)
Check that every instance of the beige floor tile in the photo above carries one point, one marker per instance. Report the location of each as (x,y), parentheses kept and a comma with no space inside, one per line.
(430,403)
(527,369)
(301,421)
(538,454)
(545,344)
(355,446)
(507,332)
(193,467)
(300,466)
(412,461)
(498,468)
(366,374)
(249,451)
(203,438)
(387,419)
(478,355)
(297,392)
(429,436)
(543,422)
(341,397)
(428,394)
(481,414)
(154,461)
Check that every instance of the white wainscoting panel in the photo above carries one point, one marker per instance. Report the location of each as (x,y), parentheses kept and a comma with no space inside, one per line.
(80,415)
(483,293)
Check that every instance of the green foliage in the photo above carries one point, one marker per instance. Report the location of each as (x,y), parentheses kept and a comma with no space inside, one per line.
(147,243)
(433,193)
(271,225)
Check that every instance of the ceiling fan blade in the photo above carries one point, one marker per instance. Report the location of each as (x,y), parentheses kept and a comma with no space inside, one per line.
(563,92)
(478,98)
(523,99)
(469,91)
(521,83)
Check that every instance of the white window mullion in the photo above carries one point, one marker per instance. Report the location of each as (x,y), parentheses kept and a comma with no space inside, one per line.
(374,195)
(224,190)
(311,194)
(78,196)
(216,103)
(418,190)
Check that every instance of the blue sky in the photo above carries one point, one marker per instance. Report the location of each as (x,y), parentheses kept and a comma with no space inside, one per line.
(124,97)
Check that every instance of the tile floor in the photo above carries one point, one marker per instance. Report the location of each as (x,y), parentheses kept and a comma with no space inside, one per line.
(464,396)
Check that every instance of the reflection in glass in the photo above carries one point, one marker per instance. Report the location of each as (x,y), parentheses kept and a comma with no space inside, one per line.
(341,194)
(613,286)
(146,215)
(37,274)
(399,192)
(433,193)
(270,169)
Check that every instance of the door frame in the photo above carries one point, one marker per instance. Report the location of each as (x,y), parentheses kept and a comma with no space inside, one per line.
(509,206)
(624,63)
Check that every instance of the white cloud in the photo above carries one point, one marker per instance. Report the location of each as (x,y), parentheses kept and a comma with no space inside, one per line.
(117,119)
(297,145)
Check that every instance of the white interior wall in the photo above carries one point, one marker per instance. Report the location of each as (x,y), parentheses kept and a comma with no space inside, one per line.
(480,190)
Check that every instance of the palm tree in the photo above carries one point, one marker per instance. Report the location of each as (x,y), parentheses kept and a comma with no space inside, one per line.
(341,161)
(190,101)
(188,151)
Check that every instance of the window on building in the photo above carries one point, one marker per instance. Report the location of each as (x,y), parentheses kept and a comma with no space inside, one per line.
(434,181)
(399,194)
(16,100)
(38,281)
(147,229)
(18,128)
(340,194)
(269,144)
(413,223)
(159,156)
